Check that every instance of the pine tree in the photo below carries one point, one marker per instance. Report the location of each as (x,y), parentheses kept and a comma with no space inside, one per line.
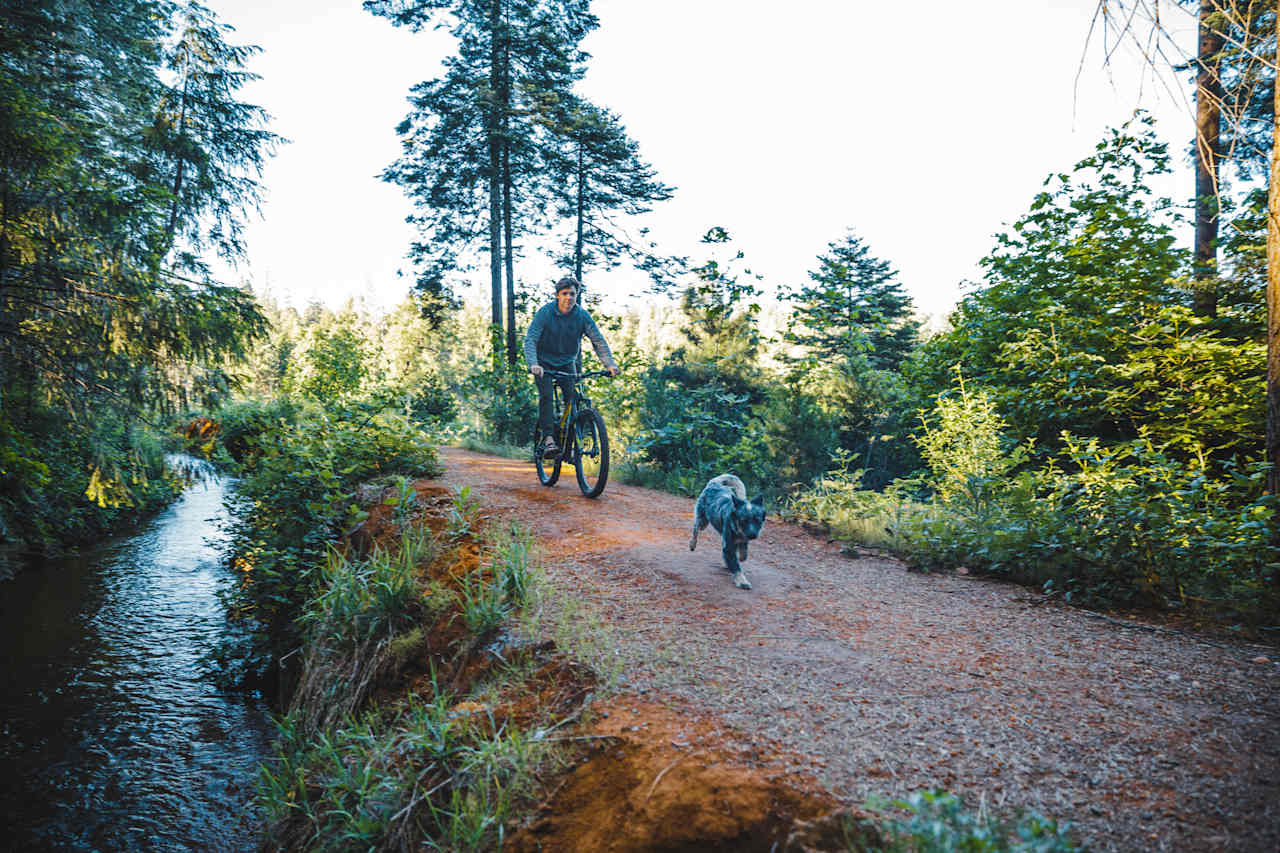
(89,209)
(213,145)
(97,330)
(599,176)
(470,144)
(721,312)
(855,307)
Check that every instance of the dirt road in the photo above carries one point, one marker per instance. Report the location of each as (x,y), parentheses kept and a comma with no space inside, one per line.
(880,681)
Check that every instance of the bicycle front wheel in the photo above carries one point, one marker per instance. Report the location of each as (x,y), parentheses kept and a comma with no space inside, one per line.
(591,456)
(548,468)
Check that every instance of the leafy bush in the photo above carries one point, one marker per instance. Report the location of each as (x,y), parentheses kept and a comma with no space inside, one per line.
(939,823)
(1144,525)
(65,481)
(332,361)
(1123,524)
(1127,525)
(963,443)
(242,424)
(853,514)
(501,403)
(297,497)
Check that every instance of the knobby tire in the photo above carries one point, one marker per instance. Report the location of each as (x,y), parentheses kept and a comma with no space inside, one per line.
(591,453)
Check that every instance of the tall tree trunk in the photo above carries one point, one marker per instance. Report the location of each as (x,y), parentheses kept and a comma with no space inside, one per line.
(1273,298)
(512,349)
(506,200)
(1208,158)
(577,245)
(495,169)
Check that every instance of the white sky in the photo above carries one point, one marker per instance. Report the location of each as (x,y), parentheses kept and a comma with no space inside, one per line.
(924,126)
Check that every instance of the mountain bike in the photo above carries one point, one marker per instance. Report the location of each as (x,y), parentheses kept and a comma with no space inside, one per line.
(580,435)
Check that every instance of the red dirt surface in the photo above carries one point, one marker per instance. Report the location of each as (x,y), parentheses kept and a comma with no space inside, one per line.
(658,779)
(876,681)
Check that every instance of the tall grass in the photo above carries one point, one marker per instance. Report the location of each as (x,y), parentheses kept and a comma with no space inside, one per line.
(360,627)
(853,514)
(423,778)
(487,598)
(416,775)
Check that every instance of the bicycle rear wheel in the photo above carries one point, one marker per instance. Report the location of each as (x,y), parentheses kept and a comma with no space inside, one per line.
(591,456)
(548,469)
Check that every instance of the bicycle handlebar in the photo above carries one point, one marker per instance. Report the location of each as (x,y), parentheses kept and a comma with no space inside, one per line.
(588,375)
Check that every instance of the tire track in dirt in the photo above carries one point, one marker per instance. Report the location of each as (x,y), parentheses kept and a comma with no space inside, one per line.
(883,681)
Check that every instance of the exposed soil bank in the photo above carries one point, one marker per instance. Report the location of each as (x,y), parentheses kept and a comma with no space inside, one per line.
(655,778)
(883,682)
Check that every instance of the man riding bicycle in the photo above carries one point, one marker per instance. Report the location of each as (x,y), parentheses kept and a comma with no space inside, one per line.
(553,342)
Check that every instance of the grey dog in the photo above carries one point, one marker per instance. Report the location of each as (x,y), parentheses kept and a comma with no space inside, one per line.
(723,504)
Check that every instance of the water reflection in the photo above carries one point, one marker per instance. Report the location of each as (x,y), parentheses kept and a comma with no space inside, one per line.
(110,739)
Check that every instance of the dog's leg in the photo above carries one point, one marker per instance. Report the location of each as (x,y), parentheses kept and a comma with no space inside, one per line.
(731,563)
(742,550)
(699,522)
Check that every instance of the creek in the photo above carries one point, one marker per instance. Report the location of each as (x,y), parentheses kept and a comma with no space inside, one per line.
(112,737)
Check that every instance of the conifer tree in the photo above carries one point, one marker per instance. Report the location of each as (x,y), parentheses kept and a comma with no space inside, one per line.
(89,207)
(215,145)
(599,176)
(97,330)
(721,313)
(469,146)
(855,307)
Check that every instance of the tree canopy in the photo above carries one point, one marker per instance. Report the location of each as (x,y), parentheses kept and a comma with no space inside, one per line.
(124,155)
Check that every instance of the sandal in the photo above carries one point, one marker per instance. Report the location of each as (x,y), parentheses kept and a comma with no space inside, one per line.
(549,447)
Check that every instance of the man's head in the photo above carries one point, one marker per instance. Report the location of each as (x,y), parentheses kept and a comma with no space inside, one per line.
(567,293)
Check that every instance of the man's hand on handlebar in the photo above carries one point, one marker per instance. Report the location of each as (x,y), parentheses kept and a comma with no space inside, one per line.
(536,370)
(614,371)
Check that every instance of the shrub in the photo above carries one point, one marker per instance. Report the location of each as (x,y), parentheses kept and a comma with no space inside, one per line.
(853,514)
(937,822)
(1128,524)
(243,424)
(502,403)
(297,497)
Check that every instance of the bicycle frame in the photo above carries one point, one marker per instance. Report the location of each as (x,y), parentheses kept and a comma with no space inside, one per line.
(571,409)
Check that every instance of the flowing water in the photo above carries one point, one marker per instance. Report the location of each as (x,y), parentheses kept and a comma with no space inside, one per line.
(111,738)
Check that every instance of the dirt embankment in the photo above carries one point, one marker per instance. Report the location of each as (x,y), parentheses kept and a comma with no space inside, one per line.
(835,679)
